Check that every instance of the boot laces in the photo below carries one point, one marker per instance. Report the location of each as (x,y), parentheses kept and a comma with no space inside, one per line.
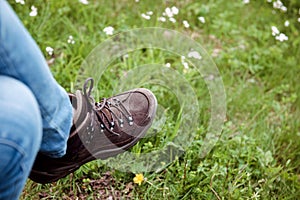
(98,108)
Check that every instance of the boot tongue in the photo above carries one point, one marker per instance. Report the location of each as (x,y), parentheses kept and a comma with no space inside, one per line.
(80,108)
(107,121)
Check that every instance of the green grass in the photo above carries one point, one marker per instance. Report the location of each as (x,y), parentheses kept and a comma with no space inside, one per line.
(258,154)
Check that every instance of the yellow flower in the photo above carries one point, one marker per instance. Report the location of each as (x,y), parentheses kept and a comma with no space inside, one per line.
(138,178)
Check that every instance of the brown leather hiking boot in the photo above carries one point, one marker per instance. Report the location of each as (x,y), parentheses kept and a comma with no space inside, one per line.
(100,130)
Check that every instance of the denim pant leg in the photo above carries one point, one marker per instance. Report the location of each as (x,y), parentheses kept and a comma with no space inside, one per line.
(20,135)
(21,58)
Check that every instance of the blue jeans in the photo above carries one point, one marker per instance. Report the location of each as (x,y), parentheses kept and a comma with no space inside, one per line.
(35,111)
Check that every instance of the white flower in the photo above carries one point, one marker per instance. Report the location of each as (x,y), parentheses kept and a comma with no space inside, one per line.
(109,30)
(173,20)
(269,1)
(137,1)
(283,8)
(194,54)
(85,2)
(149,13)
(168,12)
(71,40)
(175,10)
(275,30)
(279,5)
(251,80)
(246,1)
(201,19)
(299,19)
(186,24)
(49,50)
(168,65)
(20,2)
(184,63)
(33,12)
(162,19)
(281,37)
(286,23)
(147,17)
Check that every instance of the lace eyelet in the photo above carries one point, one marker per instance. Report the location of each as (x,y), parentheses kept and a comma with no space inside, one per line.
(130,121)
